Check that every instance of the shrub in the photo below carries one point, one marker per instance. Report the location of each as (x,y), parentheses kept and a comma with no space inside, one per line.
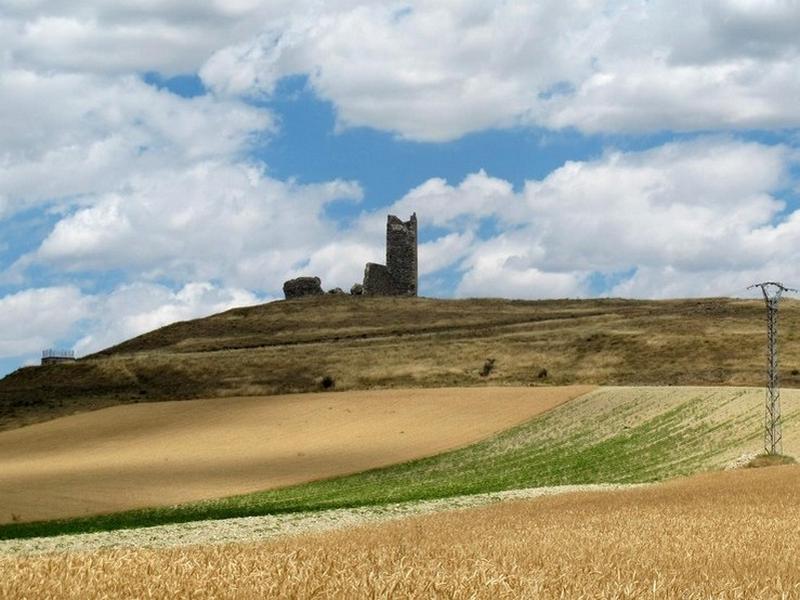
(488,367)
(328,382)
(770,460)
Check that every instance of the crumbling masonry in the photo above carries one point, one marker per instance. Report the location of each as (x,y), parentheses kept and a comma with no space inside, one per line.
(398,277)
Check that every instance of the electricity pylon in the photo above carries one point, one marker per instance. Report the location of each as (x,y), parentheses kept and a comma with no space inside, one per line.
(772,291)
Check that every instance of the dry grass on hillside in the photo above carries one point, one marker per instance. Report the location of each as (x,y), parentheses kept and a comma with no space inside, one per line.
(365,343)
(154,455)
(722,535)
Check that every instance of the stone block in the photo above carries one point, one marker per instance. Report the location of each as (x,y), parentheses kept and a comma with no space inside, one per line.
(302,286)
(377,280)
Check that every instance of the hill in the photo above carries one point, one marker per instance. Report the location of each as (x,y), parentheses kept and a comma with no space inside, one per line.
(355,343)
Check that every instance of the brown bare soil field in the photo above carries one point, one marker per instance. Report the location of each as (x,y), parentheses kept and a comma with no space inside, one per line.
(159,454)
(368,343)
(721,535)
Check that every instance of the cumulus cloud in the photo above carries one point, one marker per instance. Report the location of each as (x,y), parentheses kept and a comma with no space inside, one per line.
(686,212)
(696,204)
(37,318)
(72,135)
(691,218)
(444,251)
(133,309)
(464,206)
(707,206)
(437,70)
(211,221)
(154,187)
(340,262)
(142,181)
(173,36)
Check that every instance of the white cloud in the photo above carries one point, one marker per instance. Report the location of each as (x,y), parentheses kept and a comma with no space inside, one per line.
(172,36)
(340,262)
(444,252)
(34,319)
(679,214)
(441,205)
(686,219)
(146,182)
(503,267)
(431,73)
(67,135)
(158,187)
(38,318)
(437,70)
(695,204)
(646,95)
(137,308)
(211,221)
(706,206)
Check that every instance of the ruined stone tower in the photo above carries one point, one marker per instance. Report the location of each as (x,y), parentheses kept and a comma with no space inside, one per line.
(398,277)
(401,254)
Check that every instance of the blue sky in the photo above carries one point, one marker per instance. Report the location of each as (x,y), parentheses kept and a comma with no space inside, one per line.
(166,162)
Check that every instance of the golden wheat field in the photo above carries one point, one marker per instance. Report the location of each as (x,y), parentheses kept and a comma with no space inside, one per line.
(156,454)
(719,535)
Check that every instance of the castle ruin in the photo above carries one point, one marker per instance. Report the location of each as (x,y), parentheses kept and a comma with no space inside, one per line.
(398,277)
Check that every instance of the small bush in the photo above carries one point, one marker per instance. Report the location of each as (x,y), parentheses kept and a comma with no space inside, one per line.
(328,382)
(541,373)
(770,460)
(488,367)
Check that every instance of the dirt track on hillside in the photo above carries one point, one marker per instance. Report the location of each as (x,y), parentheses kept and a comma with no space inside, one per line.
(159,454)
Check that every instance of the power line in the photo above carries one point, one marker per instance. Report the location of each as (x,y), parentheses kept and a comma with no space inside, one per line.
(772,291)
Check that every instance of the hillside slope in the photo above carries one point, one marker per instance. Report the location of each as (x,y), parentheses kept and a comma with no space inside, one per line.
(363,343)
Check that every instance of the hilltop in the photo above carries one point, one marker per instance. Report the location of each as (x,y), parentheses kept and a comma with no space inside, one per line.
(345,343)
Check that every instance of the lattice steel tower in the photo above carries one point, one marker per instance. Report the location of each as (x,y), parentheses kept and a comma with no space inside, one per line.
(772,291)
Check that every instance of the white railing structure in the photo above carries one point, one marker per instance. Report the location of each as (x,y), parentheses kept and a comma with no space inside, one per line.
(55,353)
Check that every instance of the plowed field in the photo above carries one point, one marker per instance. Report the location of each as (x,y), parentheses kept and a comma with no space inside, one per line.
(160,454)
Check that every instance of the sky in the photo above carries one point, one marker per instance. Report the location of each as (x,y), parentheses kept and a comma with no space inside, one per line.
(162,160)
